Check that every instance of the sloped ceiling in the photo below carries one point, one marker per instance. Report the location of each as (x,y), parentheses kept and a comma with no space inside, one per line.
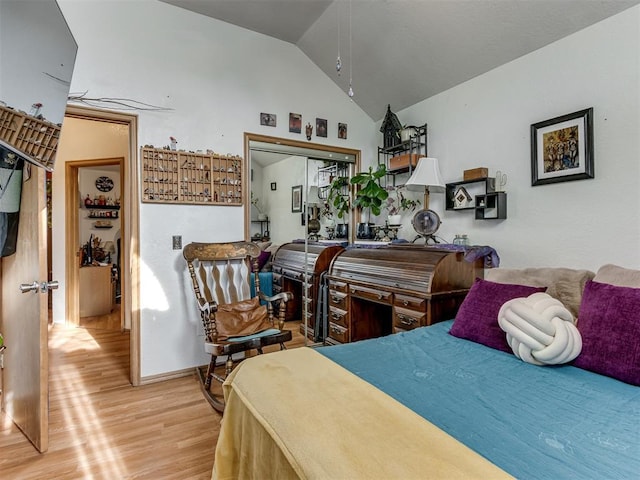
(400,52)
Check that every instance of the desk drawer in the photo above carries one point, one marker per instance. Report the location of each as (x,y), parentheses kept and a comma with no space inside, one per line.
(293,274)
(376,295)
(338,333)
(338,299)
(407,301)
(338,286)
(407,319)
(340,317)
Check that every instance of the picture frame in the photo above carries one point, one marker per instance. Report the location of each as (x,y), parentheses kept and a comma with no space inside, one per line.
(321,127)
(295,123)
(268,119)
(342,131)
(562,148)
(296,199)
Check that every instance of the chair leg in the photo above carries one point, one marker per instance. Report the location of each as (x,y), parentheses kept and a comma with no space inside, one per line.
(215,398)
(210,372)
(282,346)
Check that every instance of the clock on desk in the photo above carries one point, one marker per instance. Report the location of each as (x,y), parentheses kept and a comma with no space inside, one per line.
(104,184)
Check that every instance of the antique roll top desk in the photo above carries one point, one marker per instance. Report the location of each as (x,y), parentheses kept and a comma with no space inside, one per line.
(288,276)
(375,292)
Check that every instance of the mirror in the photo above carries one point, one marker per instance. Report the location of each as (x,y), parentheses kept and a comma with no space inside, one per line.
(280,168)
(37,54)
(286,197)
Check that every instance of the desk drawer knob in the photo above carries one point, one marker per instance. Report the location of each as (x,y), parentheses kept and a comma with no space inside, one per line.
(406,320)
(405,303)
(335,299)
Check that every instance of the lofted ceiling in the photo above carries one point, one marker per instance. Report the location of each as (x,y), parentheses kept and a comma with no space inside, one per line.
(400,52)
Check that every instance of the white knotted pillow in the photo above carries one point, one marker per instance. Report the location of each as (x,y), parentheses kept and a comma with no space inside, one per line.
(540,330)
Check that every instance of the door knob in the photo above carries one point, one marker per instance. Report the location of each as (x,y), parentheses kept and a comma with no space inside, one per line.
(52,285)
(29,287)
(42,287)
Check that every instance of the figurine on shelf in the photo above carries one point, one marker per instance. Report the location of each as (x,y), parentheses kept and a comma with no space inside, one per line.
(174,143)
(87,201)
(35,110)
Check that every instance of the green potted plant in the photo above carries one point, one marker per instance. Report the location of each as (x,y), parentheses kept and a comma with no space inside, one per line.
(397,203)
(338,197)
(369,197)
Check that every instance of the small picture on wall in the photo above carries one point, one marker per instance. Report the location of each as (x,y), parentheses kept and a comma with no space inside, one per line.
(296,199)
(268,119)
(295,122)
(321,127)
(342,131)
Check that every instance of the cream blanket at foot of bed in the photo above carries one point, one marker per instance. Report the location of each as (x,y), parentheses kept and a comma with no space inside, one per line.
(296,414)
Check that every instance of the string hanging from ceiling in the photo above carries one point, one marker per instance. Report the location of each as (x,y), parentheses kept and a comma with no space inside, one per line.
(350,92)
(338,60)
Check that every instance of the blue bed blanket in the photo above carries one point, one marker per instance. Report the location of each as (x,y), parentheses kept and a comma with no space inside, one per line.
(533,422)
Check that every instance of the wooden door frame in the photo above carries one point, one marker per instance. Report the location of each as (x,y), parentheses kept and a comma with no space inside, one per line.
(72,243)
(130,232)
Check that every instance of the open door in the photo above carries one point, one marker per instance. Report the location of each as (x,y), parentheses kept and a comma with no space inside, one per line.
(24,317)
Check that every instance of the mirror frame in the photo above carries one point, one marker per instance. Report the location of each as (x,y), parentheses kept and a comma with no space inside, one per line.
(246,185)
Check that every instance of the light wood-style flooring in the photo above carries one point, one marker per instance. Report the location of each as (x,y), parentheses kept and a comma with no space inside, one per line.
(100,427)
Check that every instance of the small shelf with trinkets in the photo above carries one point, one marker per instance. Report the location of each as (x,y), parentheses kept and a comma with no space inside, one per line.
(193,178)
(403,156)
(479,195)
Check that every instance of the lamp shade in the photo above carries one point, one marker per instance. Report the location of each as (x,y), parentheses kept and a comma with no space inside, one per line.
(109,247)
(426,174)
(313,197)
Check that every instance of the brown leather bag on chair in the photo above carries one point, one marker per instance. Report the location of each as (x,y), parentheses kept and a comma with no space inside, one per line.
(241,319)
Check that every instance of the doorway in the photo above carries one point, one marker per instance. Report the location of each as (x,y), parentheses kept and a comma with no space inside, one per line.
(95,187)
(126,124)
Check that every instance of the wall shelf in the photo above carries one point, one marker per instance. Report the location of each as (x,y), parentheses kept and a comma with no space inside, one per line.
(403,157)
(478,195)
(177,177)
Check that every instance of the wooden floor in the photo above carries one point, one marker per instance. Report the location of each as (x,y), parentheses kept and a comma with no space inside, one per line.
(100,427)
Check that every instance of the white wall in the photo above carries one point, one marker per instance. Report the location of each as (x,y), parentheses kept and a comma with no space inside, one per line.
(216,78)
(485,122)
(285,225)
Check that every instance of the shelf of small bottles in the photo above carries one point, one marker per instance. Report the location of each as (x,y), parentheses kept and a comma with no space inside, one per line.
(37,138)
(178,177)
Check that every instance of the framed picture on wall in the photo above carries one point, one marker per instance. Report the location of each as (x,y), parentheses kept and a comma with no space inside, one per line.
(321,127)
(296,199)
(268,119)
(562,148)
(342,131)
(295,122)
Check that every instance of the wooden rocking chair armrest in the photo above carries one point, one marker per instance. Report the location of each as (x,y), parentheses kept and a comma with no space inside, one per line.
(283,296)
(207,307)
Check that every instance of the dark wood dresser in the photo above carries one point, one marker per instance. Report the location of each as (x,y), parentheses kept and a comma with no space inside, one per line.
(288,276)
(376,292)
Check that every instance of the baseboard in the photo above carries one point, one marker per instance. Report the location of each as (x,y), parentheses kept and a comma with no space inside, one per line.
(161,377)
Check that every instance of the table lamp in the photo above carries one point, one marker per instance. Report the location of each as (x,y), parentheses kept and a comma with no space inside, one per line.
(426,176)
(313,205)
(110,249)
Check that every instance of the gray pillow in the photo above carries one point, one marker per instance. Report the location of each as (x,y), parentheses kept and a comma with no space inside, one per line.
(619,276)
(565,284)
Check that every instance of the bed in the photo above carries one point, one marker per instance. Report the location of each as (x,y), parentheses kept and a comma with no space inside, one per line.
(428,404)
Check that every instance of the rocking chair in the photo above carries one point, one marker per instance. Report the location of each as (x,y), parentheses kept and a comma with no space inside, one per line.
(233,321)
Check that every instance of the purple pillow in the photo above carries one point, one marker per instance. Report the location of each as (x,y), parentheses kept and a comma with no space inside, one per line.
(477,318)
(262,259)
(609,322)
